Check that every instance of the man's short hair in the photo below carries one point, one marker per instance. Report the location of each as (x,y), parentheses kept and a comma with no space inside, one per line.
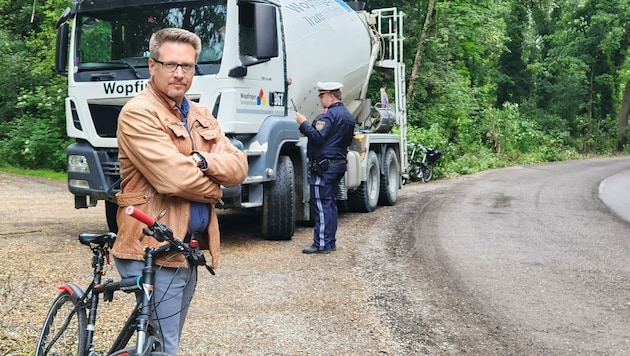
(173,35)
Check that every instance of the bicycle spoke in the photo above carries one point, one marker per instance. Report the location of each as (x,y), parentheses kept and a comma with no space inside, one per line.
(61,330)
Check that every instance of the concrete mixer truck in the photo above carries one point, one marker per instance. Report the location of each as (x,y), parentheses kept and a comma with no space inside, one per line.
(260,62)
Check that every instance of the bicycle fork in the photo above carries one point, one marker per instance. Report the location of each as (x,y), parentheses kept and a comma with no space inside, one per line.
(142,326)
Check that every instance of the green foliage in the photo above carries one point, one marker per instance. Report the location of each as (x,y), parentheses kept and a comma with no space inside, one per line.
(15,74)
(32,119)
(46,173)
(36,141)
(499,82)
(473,160)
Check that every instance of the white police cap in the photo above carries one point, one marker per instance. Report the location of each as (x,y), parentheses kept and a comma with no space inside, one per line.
(328,86)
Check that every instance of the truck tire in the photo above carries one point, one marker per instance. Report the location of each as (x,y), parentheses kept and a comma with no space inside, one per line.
(110,214)
(365,198)
(278,220)
(390,179)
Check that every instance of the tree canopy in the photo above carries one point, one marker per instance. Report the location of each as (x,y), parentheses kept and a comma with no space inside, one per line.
(490,82)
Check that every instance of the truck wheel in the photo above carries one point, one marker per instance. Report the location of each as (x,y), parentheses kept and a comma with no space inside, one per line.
(110,214)
(278,220)
(365,198)
(390,179)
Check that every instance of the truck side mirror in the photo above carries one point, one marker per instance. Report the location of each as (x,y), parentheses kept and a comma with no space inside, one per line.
(266,31)
(61,53)
(238,72)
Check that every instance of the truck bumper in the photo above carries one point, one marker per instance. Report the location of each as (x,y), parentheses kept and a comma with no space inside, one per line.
(93,174)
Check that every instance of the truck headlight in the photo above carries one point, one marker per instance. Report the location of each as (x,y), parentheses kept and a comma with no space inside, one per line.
(78,163)
(79,183)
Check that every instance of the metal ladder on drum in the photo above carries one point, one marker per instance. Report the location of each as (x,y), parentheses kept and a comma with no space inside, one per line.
(389,25)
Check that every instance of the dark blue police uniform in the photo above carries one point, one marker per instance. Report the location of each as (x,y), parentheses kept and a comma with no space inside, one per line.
(329,137)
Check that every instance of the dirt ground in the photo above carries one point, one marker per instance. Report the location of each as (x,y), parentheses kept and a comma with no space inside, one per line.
(267,298)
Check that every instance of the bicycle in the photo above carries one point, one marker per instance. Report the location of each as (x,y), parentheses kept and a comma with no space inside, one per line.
(68,328)
(422,169)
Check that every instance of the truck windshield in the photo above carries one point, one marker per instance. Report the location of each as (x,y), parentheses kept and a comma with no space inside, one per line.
(118,38)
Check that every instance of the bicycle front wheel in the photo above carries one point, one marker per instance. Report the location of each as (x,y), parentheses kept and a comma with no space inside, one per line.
(64,329)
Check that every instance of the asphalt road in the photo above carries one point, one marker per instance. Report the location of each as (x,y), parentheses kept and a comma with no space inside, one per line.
(527,260)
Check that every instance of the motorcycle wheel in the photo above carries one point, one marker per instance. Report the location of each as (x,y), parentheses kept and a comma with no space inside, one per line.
(427,173)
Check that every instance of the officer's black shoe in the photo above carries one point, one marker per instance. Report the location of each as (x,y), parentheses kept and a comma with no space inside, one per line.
(313,249)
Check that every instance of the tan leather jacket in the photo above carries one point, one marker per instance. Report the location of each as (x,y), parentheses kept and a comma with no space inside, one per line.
(159,175)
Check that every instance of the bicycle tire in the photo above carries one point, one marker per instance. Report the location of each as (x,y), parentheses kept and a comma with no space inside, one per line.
(427,173)
(132,352)
(155,337)
(64,329)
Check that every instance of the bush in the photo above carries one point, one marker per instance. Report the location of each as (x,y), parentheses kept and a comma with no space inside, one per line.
(36,142)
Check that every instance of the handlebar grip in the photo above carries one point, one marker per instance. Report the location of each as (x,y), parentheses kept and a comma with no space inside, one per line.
(139,215)
(130,284)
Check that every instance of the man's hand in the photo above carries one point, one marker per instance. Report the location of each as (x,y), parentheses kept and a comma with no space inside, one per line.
(219,147)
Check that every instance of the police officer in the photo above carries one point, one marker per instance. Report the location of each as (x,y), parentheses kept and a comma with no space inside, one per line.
(329,136)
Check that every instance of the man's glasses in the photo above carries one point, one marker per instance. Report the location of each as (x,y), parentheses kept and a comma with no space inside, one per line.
(172,67)
(322,94)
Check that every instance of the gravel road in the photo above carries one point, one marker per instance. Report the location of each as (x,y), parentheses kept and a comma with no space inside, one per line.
(266,299)
(505,262)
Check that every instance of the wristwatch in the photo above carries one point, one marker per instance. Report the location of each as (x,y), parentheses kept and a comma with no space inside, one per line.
(200,160)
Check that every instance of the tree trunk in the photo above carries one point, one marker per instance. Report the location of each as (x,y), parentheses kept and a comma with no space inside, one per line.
(622,127)
(589,110)
(420,50)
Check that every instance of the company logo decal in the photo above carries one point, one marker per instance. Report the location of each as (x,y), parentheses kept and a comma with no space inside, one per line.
(261,99)
(114,88)
(318,11)
(251,99)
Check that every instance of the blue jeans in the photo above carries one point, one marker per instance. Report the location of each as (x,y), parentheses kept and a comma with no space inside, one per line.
(173,291)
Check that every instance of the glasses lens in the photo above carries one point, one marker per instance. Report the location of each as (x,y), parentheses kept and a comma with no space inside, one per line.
(187,68)
(172,67)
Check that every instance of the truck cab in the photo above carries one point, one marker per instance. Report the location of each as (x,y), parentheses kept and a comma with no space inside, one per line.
(260,61)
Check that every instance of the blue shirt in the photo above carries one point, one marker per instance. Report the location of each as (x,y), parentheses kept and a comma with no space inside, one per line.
(199,212)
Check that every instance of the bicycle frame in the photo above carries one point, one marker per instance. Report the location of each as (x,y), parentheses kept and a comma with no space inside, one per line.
(140,318)
(148,333)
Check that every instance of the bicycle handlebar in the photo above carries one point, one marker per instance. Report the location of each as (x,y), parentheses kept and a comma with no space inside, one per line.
(159,231)
(162,233)
(140,215)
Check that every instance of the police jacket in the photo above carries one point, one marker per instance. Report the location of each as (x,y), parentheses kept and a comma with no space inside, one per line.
(330,134)
(159,175)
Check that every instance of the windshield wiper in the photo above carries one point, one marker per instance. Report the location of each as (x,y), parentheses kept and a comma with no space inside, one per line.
(128,65)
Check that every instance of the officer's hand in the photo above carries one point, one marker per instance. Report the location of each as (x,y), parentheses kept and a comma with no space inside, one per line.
(299,118)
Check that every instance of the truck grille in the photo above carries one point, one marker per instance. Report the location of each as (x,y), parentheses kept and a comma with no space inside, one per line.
(105,119)
(111,168)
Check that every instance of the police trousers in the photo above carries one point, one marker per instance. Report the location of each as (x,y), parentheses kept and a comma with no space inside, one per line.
(324,188)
